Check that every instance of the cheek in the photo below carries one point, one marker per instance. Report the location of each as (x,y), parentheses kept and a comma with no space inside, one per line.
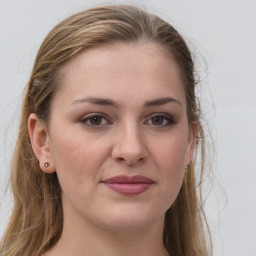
(170,158)
(69,162)
(77,158)
(171,166)
(170,153)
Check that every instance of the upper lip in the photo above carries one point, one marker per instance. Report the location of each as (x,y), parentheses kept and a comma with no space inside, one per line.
(128,179)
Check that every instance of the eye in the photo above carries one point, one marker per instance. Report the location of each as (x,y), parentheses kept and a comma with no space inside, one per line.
(92,120)
(161,120)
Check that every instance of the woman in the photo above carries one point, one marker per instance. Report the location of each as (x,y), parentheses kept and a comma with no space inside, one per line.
(105,158)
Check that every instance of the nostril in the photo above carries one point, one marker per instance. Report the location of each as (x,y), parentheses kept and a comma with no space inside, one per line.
(120,159)
(141,159)
(130,152)
(130,162)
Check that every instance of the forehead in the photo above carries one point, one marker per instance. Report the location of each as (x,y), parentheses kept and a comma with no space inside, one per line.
(141,68)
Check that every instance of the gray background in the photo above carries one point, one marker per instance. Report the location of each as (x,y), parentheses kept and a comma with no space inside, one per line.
(224,33)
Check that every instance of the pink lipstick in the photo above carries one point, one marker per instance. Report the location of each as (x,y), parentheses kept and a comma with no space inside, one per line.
(129,185)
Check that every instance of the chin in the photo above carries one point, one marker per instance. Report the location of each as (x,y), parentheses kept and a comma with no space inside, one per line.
(128,219)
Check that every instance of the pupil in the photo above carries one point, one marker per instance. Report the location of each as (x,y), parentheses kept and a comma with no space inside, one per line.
(95,120)
(157,120)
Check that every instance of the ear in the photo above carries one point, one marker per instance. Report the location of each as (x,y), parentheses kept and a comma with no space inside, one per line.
(191,141)
(41,143)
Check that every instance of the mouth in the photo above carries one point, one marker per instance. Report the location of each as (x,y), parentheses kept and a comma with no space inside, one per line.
(128,185)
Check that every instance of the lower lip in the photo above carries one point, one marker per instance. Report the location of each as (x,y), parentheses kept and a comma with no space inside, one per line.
(129,188)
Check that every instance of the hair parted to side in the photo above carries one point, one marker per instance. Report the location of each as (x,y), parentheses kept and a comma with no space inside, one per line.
(37,218)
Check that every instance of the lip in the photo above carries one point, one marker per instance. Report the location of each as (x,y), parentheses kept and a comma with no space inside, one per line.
(129,185)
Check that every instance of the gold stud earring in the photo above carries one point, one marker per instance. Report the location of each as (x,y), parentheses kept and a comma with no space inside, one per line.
(186,168)
(46,164)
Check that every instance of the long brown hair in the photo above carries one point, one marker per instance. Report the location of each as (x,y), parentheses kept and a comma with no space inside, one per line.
(37,218)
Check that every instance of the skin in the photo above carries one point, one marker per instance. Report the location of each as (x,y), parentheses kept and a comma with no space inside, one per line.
(130,137)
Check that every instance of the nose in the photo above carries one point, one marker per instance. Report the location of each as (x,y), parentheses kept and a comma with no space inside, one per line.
(130,148)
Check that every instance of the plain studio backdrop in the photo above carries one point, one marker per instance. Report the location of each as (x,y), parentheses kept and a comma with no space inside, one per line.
(221,32)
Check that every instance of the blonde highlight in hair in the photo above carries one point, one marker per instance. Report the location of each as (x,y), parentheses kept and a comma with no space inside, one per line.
(37,218)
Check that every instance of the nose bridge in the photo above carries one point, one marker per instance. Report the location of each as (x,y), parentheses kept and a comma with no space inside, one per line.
(131,136)
(130,145)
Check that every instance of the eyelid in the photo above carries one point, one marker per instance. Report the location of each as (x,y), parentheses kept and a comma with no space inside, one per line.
(87,117)
(168,117)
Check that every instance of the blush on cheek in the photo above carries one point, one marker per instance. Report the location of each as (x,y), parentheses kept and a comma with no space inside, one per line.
(172,154)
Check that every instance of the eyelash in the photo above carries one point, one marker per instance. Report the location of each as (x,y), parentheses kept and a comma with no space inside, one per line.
(89,117)
(167,120)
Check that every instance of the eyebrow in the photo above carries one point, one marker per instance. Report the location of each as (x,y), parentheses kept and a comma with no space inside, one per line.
(112,103)
(98,101)
(161,101)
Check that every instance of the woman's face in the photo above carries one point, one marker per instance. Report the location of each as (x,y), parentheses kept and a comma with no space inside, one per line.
(119,135)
